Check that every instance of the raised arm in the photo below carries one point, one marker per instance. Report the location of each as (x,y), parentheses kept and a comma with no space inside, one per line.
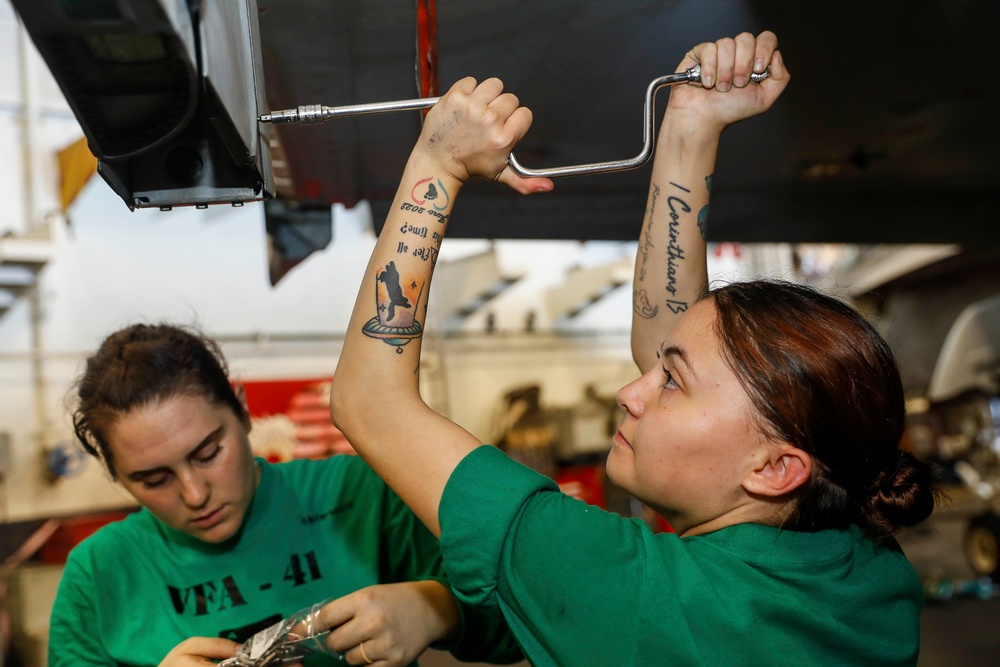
(375,397)
(670,265)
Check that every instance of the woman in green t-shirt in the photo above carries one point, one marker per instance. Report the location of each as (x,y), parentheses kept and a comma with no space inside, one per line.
(224,545)
(765,427)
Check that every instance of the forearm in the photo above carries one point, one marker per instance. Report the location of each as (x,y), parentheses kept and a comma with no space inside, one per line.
(375,397)
(670,269)
(670,266)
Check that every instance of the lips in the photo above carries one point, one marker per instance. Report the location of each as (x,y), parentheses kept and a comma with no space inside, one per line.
(619,439)
(208,520)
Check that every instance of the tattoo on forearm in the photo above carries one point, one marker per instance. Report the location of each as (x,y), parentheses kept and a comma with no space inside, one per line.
(424,253)
(703,213)
(433,197)
(441,218)
(675,253)
(422,193)
(396,302)
(408,228)
(647,237)
(641,305)
(397,296)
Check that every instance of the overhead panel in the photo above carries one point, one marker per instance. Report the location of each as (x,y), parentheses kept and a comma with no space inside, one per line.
(167,93)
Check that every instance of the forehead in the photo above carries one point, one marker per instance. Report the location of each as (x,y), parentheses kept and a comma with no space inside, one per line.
(163,432)
(695,330)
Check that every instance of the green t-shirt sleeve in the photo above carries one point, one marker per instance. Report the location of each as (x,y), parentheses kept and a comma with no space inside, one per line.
(565,574)
(412,553)
(73,641)
(481,500)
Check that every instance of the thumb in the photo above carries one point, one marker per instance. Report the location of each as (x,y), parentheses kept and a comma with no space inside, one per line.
(215,648)
(775,84)
(526,186)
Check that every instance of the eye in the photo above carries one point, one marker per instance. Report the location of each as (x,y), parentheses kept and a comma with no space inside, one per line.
(208,455)
(154,481)
(668,380)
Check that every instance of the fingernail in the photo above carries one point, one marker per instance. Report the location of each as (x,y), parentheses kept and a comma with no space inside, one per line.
(758,65)
(740,81)
(722,87)
(708,80)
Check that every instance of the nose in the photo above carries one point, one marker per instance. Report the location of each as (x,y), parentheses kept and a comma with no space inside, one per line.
(195,491)
(629,397)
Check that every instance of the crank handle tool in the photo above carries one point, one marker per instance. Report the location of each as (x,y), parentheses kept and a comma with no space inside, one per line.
(317,113)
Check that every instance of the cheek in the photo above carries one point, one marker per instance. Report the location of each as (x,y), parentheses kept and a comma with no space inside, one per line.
(156,501)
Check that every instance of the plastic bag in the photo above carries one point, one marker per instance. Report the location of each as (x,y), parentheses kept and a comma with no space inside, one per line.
(286,642)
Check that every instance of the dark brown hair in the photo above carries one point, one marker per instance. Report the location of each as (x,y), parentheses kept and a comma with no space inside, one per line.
(145,364)
(823,379)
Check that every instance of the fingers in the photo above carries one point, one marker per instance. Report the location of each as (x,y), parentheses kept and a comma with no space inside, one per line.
(464,86)
(337,612)
(726,49)
(488,90)
(474,132)
(764,47)
(727,63)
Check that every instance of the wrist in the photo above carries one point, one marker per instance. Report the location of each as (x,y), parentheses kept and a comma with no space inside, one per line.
(690,129)
(441,599)
(426,163)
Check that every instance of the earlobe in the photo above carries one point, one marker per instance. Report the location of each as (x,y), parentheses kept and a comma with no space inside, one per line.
(785,470)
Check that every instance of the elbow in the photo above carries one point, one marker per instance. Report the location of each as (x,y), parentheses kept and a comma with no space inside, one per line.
(343,404)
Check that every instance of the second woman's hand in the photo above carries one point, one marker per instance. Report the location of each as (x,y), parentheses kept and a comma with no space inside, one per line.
(390,625)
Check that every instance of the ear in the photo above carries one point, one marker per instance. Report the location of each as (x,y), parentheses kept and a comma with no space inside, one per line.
(241,396)
(782,470)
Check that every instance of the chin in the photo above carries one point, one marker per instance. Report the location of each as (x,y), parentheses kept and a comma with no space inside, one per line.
(217,534)
(613,467)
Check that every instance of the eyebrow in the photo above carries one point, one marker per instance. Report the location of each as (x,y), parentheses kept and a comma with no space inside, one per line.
(674,351)
(212,437)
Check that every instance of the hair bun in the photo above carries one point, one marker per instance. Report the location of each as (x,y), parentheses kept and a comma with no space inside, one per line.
(903,495)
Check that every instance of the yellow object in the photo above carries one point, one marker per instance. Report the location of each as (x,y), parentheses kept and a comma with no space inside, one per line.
(76,165)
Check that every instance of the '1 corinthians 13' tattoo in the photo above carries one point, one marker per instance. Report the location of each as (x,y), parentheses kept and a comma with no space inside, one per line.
(675,253)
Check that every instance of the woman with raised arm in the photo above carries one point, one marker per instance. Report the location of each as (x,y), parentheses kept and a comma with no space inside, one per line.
(765,428)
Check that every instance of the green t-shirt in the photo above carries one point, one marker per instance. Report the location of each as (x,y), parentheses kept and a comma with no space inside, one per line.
(315,530)
(581,586)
